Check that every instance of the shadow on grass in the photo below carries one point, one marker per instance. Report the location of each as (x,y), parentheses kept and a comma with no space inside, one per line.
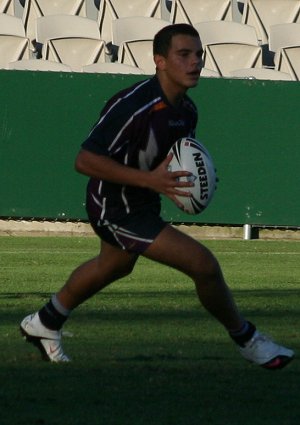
(153,306)
(22,295)
(172,376)
(139,293)
(143,392)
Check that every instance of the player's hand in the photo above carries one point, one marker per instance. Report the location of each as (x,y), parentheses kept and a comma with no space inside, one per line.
(167,182)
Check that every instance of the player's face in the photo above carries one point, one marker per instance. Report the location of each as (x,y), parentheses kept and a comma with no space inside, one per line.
(182,66)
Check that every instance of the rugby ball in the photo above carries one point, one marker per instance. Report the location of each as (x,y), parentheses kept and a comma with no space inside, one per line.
(190,155)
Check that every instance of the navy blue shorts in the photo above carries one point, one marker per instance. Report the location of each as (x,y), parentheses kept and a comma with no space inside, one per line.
(134,233)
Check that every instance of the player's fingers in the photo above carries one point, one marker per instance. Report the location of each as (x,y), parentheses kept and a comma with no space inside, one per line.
(177,192)
(182,183)
(167,160)
(181,173)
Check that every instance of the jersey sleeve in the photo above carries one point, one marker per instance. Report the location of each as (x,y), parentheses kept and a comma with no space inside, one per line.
(107,130)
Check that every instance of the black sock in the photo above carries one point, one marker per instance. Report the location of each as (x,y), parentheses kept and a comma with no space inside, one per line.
(51,318)
(244,334)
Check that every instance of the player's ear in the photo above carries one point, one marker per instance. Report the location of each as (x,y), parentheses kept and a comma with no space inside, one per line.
(159,61)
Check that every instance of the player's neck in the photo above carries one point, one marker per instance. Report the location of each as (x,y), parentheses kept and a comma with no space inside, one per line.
(173,92)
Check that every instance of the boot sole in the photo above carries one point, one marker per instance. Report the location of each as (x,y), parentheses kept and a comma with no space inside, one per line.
(36,341)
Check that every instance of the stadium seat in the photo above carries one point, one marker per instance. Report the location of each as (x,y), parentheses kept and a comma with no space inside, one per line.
(11,25)
(284,42)
(212,32)
(191,11)
(260,74)
(7,6)
(114,9)
(237,10)
(284,35)
(209,73)
(138,53)
(13,43)
(92,9)
(228,46)
(166,9)
(39,65)
(72,40)
(36,8)
(135,27)
(225,57)
(262,14)
(288,60)
(13,48)
(112,68)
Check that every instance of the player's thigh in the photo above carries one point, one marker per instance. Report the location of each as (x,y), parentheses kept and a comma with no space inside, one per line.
(180,251)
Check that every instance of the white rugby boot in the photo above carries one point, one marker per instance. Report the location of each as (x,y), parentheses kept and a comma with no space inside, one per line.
(266,353)
(46,340)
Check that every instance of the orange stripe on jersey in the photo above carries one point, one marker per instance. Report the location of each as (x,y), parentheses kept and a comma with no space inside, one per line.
(158,106)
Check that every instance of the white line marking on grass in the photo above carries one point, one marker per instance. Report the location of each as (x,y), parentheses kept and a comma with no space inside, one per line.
(37,252)
(60,252)
(255,253)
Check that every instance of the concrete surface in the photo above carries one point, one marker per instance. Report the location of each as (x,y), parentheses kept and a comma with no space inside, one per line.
(49,228)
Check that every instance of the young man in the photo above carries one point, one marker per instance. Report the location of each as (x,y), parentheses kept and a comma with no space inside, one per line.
(125,156)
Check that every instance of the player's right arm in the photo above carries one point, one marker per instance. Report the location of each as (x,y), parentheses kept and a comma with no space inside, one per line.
(160,180)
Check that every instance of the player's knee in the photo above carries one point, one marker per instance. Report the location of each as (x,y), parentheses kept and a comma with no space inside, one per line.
(124,270)
(206,270)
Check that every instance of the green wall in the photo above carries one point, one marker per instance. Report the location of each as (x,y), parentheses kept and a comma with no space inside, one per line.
(251,128)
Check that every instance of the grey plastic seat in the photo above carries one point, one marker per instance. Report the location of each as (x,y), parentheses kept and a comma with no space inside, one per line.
(112,68)
(115,9)
(37,8)
(261,14)
(261,74)
(13,43)
(72,40)
(38,65)
(192,11)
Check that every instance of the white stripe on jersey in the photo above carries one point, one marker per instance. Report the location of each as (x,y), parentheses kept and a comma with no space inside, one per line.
(124,188)
(103,209)
(100,186)
(96,201)
(118,101)
(131,119)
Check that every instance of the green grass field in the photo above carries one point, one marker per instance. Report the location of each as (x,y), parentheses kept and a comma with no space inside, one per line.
(144,351)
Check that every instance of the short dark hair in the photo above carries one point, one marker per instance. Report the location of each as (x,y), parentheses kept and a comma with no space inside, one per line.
(162,40)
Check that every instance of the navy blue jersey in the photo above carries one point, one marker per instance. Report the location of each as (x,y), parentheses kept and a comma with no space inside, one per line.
(137,127)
